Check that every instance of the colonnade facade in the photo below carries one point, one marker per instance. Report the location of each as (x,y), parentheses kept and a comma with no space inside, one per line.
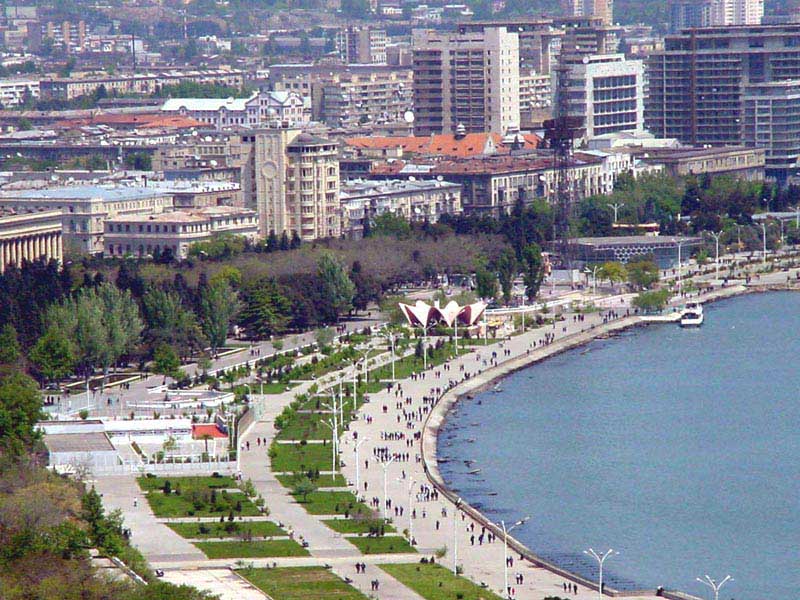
(14,250)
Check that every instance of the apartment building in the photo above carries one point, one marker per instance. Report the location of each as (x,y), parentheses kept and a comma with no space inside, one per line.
(312,187)
(772,121)
(140,83)
(469,80)
(709,13)
(261,109)
(586,36)
(14,92)
(699,84)
(68,35)
(175,231)
(606,91)
(362,45)
(602,9)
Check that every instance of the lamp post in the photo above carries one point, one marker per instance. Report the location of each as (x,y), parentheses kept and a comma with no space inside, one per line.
(411,482)
(680,266)
(355,383)
(716,235)
(390,337)
(764,238)
(505,550)
(385,466)
(358,465)
(615,206)
(600,560)
(714,585)
(334,442)
(365,359)
(455,537)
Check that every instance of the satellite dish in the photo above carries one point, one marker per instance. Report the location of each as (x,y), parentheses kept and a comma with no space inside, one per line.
(213,163)
(408,116)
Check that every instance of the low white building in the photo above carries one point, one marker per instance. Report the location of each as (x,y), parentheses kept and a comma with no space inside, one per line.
(14,92)
(78,444)
(175,231)
(262,109)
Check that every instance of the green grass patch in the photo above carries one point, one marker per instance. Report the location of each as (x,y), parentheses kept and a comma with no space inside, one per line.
(357,525)
(226,529)
(297,457)
(393,544)
(434,582)
(195,497)
(258,549)
(336,480)
(308,426)
(334,503)
(301,583)
(187,483)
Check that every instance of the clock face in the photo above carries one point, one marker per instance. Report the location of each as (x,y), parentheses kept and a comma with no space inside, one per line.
(269,170)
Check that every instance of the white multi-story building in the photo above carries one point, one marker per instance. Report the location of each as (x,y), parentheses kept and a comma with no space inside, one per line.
(771,121)
(606,90)
(603,9)
(468,79)
(362,45)
(14,92)
(283,109)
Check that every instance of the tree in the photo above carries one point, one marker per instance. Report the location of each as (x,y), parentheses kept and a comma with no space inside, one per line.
(652,301)
(324,336)
(614,272)
(485,284)
(9,345)
(304,487)
(166,362)
(169,322)
(219,304)
(265,310)
(506,271)
(642,273)
(53,355)
(335,285)
(20,410)
(389,224)
(533,263)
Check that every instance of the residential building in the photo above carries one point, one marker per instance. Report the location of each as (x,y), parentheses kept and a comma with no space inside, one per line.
(606,91)
(469,79)
(586,36)
(535,93)
(312,188)
(29,235)
(83,84)
(539,40)
(423,201)
(175,231)
(278,109)
(772,121)
(362,44)
(68,35)
(738,161)
(84,209)
(602,9)
(14,92)
(709,13)
(459,145)
(699,84)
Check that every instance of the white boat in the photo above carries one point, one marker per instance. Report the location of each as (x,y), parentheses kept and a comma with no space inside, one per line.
(692,315)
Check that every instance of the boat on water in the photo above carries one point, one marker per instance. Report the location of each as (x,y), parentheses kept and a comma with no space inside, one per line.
(497,389)
(692,315)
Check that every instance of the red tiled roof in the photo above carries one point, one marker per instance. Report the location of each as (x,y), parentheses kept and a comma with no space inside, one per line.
(198,431)
(139,121)
(472,144)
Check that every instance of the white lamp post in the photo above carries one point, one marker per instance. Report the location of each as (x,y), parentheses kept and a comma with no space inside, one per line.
(716,235)
(385,466)
(411,482)
(615,206)
(600,560)
(714,585)
(455,537)
(764,238)
(334,442)
(358,465)
(390,337)
(505,550)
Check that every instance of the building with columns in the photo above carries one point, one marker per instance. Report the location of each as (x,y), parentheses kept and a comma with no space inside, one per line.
(27,236)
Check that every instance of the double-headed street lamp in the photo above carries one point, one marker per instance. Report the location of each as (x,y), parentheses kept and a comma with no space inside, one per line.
(411,482)
(505,550)
(714,585)
(385,466)
(358,465)
(600,560)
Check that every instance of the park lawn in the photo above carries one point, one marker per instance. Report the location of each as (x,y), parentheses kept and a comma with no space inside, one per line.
(392,544)
(272,388)
(333,503)
(291,458)
(173,505)
(301,583)
(355,525)
(307,426)
(336,480)
(434,582)
(218,530)
(257,549)
(187,483)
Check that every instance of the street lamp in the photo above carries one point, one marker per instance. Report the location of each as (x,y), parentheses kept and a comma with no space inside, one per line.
(455,536)
(615,206)
(358,465)
(764,254)
(680,266)
(505,550)
(390,337)
(714,585)
(385,466)
(716,235)
(334,442)
(600,560)
(411,482)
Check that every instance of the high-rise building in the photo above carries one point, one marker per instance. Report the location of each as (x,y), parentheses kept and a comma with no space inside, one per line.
(709,13)
(539,40)
(312,188)
(606,91)
(586,36)
(772,121)
(466,81)
(700,84)
(362,45)
(603,9)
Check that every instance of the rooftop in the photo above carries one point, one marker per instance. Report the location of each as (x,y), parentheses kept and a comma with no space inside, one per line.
(206,104)
(86,192)
(78,442)
(449,145)
(360,188)
(634,240)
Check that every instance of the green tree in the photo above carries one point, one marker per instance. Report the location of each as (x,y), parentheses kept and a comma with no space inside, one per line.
(614,272)
(642,273)
(53,355)
(303,488)
(485,284)
(336,287)
(9,345)
(219,304)
(533,270)
(166,362)
(506,271)
(169,322)
(652,301)
(390,225)
(265,310)
(20,410)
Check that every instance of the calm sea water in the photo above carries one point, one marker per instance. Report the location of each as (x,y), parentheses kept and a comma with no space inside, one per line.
(678,448)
